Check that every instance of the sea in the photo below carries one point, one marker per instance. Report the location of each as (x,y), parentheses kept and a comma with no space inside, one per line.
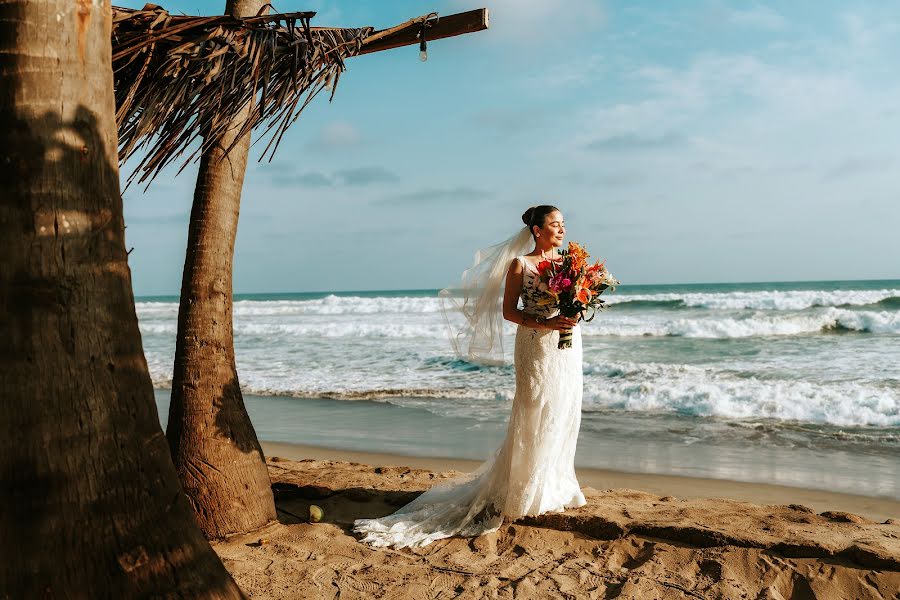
(787,383)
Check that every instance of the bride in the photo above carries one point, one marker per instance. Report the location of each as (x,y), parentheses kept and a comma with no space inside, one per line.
(533,471)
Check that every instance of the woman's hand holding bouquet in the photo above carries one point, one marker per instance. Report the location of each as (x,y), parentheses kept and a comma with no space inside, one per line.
(575,286)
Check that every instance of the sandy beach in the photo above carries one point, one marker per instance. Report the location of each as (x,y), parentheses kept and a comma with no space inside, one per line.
(877,509)
(639,536)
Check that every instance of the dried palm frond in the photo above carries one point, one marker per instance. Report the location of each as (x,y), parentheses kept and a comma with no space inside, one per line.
(180,78)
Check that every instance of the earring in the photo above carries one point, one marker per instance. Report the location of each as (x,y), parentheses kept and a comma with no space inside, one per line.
(537,235)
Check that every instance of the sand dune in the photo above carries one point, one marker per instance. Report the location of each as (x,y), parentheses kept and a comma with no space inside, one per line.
(623,544)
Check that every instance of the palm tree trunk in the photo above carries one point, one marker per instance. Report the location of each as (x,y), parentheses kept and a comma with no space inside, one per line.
(213,443)
(90,505)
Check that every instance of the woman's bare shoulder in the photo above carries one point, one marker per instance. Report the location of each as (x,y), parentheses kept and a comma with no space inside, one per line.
(531,260)
(516,267)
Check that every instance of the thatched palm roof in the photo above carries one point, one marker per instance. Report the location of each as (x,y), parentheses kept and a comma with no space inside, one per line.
(180,78)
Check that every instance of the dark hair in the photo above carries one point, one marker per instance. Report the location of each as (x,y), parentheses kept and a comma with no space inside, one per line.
(536,215)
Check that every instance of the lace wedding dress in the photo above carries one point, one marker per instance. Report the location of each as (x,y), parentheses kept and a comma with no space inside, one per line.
(532,472)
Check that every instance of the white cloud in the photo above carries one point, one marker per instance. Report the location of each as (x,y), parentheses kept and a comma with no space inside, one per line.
(728,89)
(751,113)
(791,90)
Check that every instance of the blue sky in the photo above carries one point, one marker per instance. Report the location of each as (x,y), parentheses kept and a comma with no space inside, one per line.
(685,142)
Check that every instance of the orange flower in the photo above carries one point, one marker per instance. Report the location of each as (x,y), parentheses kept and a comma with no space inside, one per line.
(575,248)
(579,256)
(595,272)
(583,295)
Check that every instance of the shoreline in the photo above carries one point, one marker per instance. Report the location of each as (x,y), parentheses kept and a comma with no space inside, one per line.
(605,442)
(875,508)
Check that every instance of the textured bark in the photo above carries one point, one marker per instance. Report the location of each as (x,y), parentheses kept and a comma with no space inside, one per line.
(213,443)
(90,505)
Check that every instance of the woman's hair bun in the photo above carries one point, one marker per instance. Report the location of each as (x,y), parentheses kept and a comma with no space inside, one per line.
(527,215)
(536,215)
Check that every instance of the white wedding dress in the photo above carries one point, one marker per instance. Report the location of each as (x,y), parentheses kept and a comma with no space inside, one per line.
(532,472)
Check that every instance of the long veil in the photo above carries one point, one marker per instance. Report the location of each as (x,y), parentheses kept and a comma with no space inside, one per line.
(479,299)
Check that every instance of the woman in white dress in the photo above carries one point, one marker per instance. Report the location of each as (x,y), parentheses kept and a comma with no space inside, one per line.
(533,471)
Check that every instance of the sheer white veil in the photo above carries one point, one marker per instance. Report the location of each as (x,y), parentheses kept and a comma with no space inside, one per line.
(479,298)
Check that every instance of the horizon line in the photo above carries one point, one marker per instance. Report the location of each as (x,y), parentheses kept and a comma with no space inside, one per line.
(369,291)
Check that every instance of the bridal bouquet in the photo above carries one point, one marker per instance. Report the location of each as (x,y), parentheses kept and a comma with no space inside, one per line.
(574,285)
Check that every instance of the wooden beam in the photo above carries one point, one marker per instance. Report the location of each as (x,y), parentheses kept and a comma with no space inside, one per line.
(439,27)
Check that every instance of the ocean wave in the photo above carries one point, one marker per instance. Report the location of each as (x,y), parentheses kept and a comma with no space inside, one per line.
(327,306)
(708,392)
(761,300)
(259,386)
(759,324)
(683,390)
(332,305)
(642,303)
(377,394)
(756,325)
(341,328)
(892,303)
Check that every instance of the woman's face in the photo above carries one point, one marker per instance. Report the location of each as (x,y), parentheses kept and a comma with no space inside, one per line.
(554,229)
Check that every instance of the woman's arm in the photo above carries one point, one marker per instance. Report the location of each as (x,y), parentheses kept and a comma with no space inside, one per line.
(511,291)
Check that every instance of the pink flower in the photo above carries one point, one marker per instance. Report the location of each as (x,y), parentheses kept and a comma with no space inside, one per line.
(558,283)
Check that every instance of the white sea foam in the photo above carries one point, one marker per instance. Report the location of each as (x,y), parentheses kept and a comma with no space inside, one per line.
(763,300)
(332,305)
(395,349)
(347,328)
(329,305)
(756,324)
(703,325)
(644,388)
(693,390)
